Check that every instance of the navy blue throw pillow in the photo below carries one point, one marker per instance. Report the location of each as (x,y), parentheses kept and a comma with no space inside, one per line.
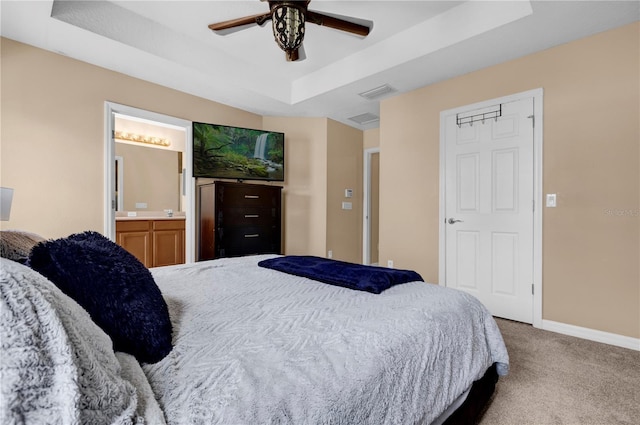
(115,288)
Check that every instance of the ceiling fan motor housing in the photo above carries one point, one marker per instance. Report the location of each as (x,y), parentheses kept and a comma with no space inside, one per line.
(288,19)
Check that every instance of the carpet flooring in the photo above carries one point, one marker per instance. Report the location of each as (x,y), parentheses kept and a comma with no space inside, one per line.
(559,379)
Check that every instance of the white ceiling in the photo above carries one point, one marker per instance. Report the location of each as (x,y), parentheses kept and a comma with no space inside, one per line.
(412,44)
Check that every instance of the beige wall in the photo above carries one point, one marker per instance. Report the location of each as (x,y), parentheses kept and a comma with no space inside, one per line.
(344,171)
(305,192)
(322,158)
(52,135)
(591,241)
(371,138)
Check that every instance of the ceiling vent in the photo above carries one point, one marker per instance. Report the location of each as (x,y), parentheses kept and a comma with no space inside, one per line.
(378,92)
(366,118)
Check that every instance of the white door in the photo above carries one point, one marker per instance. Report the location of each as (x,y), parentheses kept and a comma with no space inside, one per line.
(489,208)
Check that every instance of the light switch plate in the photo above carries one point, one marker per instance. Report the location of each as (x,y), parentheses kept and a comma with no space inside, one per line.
(551,200)
(347,205)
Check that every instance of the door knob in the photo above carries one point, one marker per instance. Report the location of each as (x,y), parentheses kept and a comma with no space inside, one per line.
(453,221)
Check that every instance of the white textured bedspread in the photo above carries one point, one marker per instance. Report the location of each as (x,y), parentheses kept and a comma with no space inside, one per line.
(257,346)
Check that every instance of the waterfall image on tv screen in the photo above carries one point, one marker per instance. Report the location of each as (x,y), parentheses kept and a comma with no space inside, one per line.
(221,151)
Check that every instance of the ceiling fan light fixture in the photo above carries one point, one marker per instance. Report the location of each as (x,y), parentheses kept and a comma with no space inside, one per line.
(288,18)
(288,27)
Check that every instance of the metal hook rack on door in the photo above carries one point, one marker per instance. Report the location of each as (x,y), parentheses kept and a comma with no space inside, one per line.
(470,119)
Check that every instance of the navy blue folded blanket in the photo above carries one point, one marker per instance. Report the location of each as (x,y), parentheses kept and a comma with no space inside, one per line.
(340,273)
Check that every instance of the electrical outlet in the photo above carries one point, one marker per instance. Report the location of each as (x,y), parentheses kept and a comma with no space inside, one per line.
(390,264)
(330,254)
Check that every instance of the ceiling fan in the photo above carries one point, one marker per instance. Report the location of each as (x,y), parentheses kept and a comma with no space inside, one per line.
(288,18)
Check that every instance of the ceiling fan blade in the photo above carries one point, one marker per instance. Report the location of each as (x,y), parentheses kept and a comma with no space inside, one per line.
(258,19)
(337,23)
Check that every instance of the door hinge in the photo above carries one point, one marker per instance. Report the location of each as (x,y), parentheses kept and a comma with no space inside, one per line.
(113,204)
(532,289)
(533,120)
(533,205)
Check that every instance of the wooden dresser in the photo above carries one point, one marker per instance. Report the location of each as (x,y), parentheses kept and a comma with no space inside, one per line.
(238,219)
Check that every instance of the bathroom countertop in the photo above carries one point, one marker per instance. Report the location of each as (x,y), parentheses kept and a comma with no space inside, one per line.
(148,216)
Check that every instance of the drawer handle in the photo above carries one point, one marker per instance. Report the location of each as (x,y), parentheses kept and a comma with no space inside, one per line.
(253,235)
(251,215)
(252,197)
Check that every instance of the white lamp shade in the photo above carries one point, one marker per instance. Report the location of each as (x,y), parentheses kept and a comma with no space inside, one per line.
(6,196)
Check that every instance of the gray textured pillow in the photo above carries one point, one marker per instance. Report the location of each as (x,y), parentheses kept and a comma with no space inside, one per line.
(16,244)
(57,366)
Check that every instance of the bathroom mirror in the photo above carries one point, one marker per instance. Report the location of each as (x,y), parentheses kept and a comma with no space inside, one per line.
(148,167)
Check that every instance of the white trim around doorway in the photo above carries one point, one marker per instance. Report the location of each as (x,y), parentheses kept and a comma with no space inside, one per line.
(366,205)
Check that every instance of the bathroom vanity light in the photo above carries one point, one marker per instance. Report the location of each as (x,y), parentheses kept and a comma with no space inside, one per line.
(150,140)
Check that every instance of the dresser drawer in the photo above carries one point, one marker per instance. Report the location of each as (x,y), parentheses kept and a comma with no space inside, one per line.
(247,240)
(250,196)
(247,216)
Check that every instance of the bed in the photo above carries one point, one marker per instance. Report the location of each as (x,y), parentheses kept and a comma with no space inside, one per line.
(252,345)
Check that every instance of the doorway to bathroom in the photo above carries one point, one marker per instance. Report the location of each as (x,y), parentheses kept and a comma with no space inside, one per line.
(148,170)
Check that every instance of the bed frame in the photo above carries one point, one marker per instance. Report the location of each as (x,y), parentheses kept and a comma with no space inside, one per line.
(471,410)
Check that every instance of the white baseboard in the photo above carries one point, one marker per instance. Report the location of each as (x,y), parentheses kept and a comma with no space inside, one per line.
(592,334)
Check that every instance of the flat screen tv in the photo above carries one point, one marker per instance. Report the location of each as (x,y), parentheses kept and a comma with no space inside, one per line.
(226,152)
